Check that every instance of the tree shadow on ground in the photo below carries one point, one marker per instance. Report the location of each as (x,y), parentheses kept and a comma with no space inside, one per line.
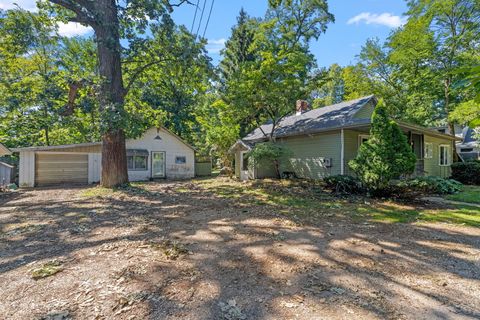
(253,254)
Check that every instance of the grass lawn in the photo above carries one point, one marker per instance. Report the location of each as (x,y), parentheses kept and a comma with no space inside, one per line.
(469,194)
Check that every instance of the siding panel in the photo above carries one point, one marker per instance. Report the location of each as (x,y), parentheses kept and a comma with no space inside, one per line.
(432,165)
(27,169)
(309,152)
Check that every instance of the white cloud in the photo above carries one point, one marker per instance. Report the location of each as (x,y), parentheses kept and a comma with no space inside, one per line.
(72,29)
(214,46)
(384,19)
(29,5)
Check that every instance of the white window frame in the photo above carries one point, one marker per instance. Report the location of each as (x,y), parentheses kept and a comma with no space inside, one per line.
(426,155)
(447,147)
(361,137)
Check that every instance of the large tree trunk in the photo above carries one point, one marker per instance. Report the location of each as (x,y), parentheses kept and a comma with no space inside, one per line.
(114,159)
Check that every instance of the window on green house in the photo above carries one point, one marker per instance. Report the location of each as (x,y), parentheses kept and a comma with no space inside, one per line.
(444,155)
(428,151)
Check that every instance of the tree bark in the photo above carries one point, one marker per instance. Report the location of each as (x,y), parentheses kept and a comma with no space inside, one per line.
(114,159)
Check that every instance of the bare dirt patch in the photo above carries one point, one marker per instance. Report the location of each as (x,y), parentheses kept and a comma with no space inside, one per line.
(217,249)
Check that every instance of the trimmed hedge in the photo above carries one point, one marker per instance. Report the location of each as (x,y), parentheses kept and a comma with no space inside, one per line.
(467,172)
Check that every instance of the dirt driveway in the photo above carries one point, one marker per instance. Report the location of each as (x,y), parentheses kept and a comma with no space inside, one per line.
(204,250)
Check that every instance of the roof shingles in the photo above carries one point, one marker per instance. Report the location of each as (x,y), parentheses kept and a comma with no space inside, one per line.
(316,120)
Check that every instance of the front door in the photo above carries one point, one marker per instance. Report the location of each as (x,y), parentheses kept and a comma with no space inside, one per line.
(243,166)
(158,164)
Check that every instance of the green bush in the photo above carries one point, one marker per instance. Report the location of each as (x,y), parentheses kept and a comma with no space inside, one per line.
(467,172)
(343,184)
(270,153)
(429,185)
(385,156)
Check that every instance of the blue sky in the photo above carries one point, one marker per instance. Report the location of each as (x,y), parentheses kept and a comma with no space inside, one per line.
(355,22)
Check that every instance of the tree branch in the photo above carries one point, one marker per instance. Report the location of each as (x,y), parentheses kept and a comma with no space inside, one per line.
(139,71)
(76,7)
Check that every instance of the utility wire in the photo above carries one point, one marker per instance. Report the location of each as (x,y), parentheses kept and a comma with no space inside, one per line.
(208,20)
(194,16)
(201,18)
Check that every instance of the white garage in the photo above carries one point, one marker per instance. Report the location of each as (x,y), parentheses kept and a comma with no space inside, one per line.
(157,154)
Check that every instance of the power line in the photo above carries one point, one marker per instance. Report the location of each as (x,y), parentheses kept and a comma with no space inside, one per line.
(194,16)
(208,20)
(201,18)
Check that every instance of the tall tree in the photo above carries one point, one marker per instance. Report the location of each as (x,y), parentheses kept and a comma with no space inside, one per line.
(332,89)
(168,92)
(238,47)
(455,25)
(112,20)
(266,89)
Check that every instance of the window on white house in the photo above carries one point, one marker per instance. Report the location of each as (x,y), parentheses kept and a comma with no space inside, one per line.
(466,150)
(180,159)
(137,163)
(444,155)
(428,151)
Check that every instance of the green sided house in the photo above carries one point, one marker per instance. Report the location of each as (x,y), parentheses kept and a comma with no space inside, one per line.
(324,140)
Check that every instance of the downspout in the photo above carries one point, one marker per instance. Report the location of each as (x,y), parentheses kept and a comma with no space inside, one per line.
(342,152)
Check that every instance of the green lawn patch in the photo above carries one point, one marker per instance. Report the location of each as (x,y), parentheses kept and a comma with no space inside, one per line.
(461,215)
(469,194)
(394,213)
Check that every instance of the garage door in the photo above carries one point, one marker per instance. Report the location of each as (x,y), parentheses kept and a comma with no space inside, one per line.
(60,168)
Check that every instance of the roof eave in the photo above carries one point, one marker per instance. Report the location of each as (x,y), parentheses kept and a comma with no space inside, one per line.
(63,146)
(427,130)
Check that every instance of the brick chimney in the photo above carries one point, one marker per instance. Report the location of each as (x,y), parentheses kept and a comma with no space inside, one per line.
(302,106)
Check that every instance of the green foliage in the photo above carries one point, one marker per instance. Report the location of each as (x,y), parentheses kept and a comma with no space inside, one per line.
(237,49)
(416,71)
(385,156)
(331,90)
(265,86)
(467,172)
(344,184)
(37,70)
(220,131)
(174,84)
(467,113)
(427,185)
(269,153)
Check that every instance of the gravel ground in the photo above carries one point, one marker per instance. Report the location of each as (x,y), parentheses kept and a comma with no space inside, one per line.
(177,250)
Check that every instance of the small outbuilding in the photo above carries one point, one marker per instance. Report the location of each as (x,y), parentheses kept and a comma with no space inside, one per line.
(158,153)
